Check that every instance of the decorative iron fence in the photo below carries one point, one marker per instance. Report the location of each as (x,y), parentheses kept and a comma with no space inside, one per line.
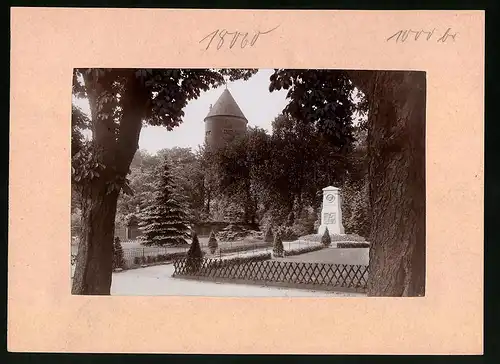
(321,274)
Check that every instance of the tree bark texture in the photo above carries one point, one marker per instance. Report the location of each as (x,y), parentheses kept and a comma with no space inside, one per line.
(94,259)
(396,148)
(115,149)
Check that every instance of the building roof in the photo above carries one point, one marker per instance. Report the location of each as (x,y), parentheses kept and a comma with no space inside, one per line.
(226,106)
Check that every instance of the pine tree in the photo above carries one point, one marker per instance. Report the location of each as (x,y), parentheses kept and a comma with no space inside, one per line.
(278,249)
(118,259)
(326,240)
(212,243)
(165,222)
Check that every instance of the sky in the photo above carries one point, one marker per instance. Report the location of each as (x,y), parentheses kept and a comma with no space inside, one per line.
(252,96)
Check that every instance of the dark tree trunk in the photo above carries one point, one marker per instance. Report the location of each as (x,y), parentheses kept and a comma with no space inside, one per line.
(95,250)
(115,149)
(396,147)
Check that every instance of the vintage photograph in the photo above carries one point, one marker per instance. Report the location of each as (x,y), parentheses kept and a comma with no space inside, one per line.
(248,182)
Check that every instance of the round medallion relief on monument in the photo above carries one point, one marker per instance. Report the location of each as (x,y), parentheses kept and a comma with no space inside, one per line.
(330,197)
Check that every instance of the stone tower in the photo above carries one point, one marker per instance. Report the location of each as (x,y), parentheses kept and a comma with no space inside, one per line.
(224,121)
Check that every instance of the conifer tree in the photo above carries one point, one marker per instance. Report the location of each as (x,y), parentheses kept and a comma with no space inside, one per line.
(165,222)
(194,254)
(212,243)
(118,258)
(278,249)
(195,248)
(326,240)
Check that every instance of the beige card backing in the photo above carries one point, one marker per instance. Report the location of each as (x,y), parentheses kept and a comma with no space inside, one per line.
(48,43)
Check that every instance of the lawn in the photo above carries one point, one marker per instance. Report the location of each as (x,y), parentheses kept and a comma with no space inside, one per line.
(333,255)
(133,249)
(134,245)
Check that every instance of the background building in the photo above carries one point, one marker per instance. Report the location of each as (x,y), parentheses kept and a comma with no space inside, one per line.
(224,121)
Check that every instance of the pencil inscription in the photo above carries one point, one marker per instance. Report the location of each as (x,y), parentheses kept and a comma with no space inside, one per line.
(218,38)
(403,35)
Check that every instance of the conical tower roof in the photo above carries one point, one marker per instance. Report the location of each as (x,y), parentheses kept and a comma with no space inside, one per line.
(226,106)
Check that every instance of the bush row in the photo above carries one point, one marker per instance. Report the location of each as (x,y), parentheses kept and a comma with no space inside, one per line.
(239,260)
(335,237)
(149,259)
(303,250)
(349,244)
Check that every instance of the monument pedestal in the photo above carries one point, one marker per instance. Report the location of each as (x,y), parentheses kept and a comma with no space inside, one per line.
(331,212)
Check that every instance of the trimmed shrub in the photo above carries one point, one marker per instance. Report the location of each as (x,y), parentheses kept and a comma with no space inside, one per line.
(118,259)
(325,239)
(194,254)
(278,250)
(137,260)
(268,237)
(212,243)
(195,248)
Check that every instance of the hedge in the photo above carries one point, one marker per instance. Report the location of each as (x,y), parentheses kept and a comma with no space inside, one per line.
(304,250)
(149,259)
(335,238)
(240,260)
(350,244)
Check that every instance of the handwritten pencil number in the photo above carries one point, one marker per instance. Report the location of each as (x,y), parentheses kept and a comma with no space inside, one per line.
(405,34)
(218,37)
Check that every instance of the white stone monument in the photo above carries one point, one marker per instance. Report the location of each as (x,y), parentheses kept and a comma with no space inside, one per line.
(331,213)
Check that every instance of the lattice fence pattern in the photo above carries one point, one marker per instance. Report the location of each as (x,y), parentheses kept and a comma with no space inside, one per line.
(324,274)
